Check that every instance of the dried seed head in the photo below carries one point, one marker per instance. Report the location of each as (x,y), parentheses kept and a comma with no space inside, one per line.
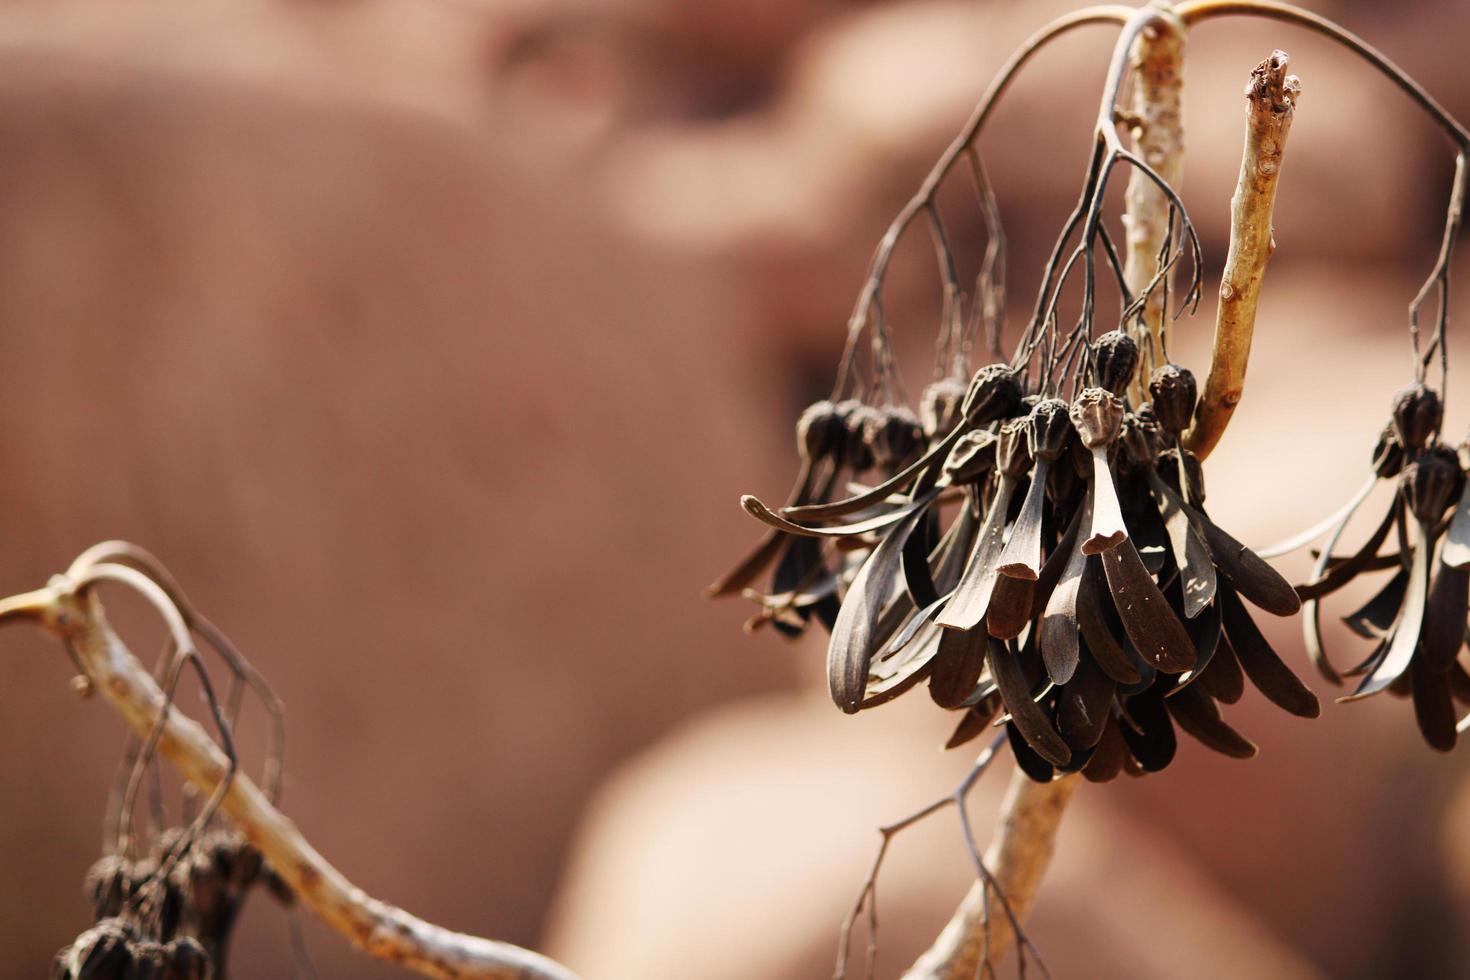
(1174,394)
(188,960)
(819,431)
(972,458)
(1114,359)
(893,435)
(856,417)
(1012,452)
(995,393)
(1429,483)
(1097,415)
(150,959)
(104,951)
(939,406)
(1139,440)
(108,884)
(1417,413)
(1049,427)
(1388,455)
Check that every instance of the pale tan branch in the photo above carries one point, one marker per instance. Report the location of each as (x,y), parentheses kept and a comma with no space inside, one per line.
(1017,858)
(1270,105)
(1155,122)
(74,613)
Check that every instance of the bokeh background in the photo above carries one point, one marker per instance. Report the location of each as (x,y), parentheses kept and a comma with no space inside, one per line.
(431,343)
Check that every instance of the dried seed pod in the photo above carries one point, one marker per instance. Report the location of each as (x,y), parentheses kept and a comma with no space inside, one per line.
(150,961)
(1048,429)
(1097,415)
(108,884)
(1012,451)
(1388,455)
(994,393)
(1114,359)
(856,417)
(1417,413)
(972,458)
(939,406)
(1174,392)
(1138,441)
(103,952)
(188,960)
(820,431)
(892,435)
(1430,483)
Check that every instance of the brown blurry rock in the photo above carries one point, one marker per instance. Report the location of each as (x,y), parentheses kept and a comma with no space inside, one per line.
(736,847)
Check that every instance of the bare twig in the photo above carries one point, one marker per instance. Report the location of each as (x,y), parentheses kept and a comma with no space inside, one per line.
(72,611)
(1017,859)
(1271,99)
(1155,123)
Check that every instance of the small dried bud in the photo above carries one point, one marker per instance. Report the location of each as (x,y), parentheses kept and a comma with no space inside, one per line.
(1049,427)
(105,951)
(1097,415)
(1417,413)
(972,458)
(108,884)
(995,393)
(819,431)
(1174,394)
(1114,359)
(893,435)
(939,406)
(188,959)
(1139,439)
(1429,484)
(1388,455)
(1012,452)
(856,417)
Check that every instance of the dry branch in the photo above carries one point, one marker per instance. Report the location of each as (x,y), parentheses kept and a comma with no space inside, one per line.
(1017,858)
(1270,105)
(388,933)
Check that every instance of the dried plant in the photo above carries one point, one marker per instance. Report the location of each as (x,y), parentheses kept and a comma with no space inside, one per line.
(1030,542)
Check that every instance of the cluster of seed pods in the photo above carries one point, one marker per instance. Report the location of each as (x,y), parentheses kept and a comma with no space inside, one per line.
(1036,563)
(1417,619)
(158,919)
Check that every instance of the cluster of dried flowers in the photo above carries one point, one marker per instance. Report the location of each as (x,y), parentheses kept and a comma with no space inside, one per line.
(167,916)
(1417,620)
(1041,563)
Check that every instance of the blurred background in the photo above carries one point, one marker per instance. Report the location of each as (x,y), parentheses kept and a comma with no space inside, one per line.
(431,344)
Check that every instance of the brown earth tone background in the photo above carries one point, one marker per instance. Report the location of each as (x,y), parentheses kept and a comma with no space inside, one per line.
(431,344)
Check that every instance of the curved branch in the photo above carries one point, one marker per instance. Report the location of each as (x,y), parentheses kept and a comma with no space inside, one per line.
(75,614)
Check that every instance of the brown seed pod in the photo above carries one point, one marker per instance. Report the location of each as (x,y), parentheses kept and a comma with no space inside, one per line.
(939,405)
(994,393)
(187,960)
(972,459)
(103,952)
(820,431)
(1114,359)
(1430,483)
(856,417)
(1048,429)
(1174,394)
(1388,455)
(1012,453)
(1138,441)
(1417,414)
(1097,415)
(108,884)
(893,435)
(150,961)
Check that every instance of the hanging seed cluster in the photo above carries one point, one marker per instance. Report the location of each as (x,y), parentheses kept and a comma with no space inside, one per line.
(1041,563)
(167,916)
(1416,622)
